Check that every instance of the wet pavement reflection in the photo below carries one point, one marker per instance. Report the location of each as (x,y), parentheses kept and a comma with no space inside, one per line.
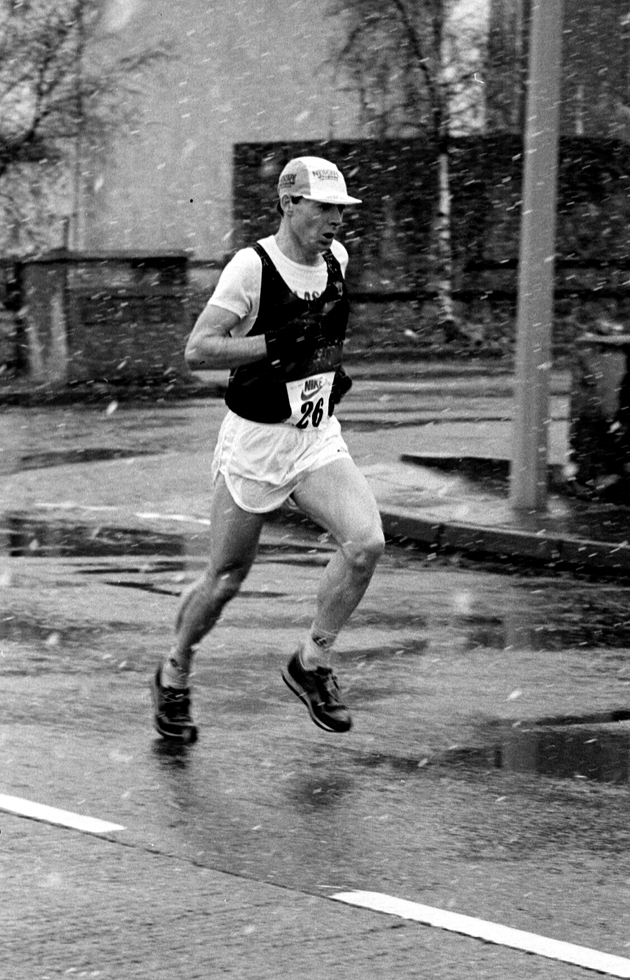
(22,536)
(61,457)
(591,748)
(600,753)
(554,616)
(549,619)
(585,623)
(488,768)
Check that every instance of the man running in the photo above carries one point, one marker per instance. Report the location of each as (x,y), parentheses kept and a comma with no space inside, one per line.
(277,320)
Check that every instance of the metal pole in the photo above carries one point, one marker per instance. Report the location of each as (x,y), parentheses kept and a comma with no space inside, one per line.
(528,489)
(76,223)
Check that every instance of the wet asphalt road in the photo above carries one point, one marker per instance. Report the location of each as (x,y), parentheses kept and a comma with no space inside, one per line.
(487,772)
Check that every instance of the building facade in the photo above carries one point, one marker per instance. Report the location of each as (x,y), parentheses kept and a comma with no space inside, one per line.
(244,70)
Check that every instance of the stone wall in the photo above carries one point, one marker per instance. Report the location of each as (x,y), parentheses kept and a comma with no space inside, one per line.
(113,319)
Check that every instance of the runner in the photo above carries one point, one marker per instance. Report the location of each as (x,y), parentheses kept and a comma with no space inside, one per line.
(277,319)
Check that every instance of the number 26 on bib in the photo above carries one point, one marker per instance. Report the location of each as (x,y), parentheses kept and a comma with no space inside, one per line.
(309,399)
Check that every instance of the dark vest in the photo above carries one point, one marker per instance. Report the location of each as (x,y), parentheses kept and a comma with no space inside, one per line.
(258,391)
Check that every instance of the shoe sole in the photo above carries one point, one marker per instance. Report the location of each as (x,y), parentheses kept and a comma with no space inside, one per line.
(188,735)
(301,694)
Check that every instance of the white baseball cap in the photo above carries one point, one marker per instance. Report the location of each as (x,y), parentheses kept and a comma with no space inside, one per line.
(316,180)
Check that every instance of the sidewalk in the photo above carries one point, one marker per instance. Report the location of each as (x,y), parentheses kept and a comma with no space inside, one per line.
(449,501)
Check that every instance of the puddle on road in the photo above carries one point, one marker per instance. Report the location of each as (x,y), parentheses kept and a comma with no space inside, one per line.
(592,747)
(32,630)
(571,627)
(152,567)
(60,457)
(21,537)
(377,425)
(416,647)
(152,587)
(142,587)
(595,752)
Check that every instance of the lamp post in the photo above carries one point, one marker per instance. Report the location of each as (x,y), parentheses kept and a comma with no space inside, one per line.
(76,221)
(528,478)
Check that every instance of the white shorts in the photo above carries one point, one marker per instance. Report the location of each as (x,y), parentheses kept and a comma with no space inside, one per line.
(263,464)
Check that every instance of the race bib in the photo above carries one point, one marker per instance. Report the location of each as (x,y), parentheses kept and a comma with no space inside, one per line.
(309,398)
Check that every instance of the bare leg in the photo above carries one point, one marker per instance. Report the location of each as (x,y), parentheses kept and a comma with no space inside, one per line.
(234,536)
(338,497)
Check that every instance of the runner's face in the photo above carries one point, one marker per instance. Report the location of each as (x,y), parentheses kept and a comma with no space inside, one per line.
(315,224)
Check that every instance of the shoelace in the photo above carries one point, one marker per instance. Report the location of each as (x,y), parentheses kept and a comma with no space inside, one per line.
(171,695)
(330,685)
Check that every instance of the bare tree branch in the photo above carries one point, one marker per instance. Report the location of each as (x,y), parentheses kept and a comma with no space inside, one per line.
(411,67)
(419,52)
(59,85)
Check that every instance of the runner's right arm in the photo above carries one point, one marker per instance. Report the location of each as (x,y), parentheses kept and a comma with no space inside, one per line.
(220,335)
(210,346)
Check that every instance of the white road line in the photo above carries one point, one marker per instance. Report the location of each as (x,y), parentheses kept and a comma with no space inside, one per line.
(50,814)
(490,932)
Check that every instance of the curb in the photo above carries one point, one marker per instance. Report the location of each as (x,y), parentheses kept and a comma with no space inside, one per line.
(543,548)
(444,537)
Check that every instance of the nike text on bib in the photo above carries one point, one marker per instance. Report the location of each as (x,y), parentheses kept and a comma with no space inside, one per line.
(309,398)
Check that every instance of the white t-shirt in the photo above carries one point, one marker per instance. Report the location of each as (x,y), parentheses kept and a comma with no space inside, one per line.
(238,289)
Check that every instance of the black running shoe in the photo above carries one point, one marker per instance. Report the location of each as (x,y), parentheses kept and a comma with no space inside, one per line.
(319,691)
(172,712)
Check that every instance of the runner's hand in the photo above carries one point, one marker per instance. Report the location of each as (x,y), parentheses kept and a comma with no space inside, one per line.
(293,344)
(341,386)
